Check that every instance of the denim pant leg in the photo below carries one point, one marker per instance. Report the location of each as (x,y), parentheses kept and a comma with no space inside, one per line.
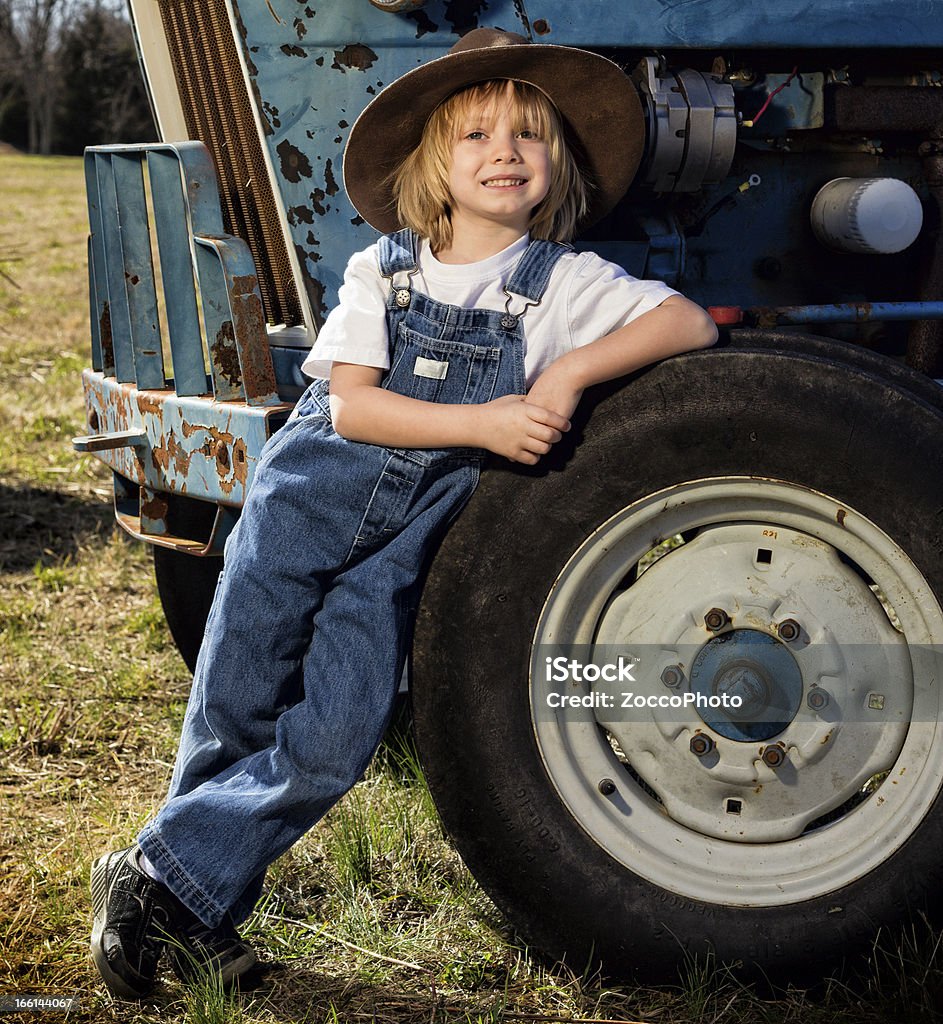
(213,843)
(261,620)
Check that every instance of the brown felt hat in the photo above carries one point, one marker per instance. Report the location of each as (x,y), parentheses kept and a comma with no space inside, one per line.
(599,104)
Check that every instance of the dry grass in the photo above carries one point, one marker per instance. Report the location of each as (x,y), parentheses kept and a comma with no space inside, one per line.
(372,917)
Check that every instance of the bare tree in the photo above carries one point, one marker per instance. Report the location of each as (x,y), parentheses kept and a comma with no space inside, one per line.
(28,30)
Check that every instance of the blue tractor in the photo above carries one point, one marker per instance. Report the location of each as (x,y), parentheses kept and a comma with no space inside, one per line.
(762,520)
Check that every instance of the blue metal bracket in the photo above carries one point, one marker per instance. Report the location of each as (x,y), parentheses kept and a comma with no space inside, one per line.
(196,432)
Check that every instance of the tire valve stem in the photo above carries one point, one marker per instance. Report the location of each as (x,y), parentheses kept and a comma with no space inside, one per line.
(607,787)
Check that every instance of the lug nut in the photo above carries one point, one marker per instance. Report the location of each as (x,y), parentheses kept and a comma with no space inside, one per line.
(701,745)
(716,619)
(789,630)
(672,676)
(774,757)
(817,699)
(607,787)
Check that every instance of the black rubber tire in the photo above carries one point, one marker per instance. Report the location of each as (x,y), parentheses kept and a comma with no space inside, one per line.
(851,424)
(186,583)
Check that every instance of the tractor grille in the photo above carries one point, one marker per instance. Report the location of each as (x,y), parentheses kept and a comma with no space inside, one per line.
(218,113)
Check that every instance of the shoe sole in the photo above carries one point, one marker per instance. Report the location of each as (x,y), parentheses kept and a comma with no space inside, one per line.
(100,876)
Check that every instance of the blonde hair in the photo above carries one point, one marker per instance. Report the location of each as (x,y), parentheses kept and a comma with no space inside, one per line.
(421,182)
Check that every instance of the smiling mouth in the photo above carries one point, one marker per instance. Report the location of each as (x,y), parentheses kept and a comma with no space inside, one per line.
(504,182)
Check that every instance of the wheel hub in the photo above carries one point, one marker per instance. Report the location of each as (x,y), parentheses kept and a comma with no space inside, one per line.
(758,676)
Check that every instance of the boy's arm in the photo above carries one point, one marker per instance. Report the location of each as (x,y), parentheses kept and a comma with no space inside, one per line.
(677,325)
(512,426)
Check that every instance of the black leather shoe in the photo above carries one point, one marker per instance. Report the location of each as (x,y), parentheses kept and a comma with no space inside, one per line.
(132,923)
(198,951)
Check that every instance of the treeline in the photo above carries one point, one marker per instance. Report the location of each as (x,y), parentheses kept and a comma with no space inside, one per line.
(69,76)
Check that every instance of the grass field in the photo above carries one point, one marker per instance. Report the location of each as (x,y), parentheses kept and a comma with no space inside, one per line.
(372,917)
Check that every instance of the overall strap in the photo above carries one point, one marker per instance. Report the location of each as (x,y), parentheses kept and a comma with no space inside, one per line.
(530,278)
(533,271)
(399,251)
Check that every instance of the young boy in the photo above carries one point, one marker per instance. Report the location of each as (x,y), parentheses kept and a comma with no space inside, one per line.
(471,328)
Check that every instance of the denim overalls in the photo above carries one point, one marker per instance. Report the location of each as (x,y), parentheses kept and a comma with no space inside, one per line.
(309,630)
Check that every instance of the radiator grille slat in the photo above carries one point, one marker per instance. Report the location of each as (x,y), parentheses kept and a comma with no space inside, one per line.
(218,112)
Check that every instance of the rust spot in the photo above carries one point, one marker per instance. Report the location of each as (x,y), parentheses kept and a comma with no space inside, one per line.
(342,124)
(148,403)
(155,507)
(222,459)
(827,737)
(317,197)
(258,374)
(463,14)
(293,51)
(93,421)
(765,316)
(272,119)
(180,456)
(423,22)
(319,61)
(357,221)
(301,29)
(330,183)
(132,278)
(240,462)
(295,165)
(244,284)
(541,27)
(104,330)
(224,355)
(354,55)
(301,214)
(160,458)
(840,516)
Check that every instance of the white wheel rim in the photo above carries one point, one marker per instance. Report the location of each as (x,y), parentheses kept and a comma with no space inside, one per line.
(690,849)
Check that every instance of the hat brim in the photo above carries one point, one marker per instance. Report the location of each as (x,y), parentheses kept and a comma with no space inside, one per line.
(598,102)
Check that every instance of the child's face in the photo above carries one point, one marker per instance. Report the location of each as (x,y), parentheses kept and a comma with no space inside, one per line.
(500,169)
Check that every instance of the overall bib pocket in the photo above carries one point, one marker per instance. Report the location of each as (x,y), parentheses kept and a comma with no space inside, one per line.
(436,370)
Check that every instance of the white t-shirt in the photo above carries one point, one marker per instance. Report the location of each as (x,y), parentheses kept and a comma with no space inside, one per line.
(587,298)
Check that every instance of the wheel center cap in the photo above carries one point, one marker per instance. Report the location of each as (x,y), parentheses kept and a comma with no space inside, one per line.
(745,682)
(759,670)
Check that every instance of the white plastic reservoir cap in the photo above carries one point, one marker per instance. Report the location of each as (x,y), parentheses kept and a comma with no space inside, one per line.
(876,215)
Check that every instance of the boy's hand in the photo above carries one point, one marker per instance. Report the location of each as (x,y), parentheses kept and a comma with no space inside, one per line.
(518,429)
(554,389)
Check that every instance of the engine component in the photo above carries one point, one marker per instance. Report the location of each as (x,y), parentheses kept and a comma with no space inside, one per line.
(869,215)
(692,127)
